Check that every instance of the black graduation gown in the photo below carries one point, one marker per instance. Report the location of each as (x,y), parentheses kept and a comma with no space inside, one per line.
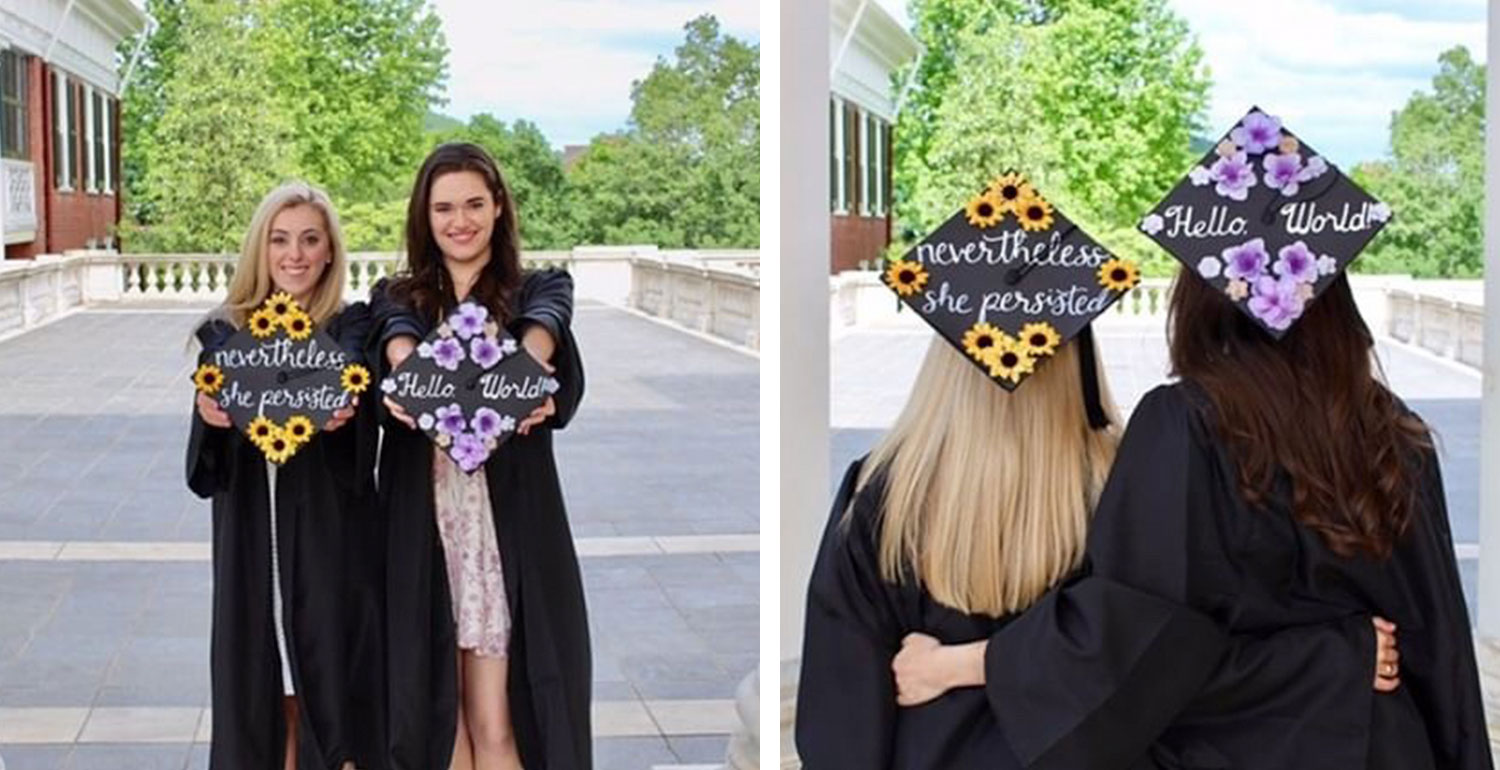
(1171,522)
(550,675)
(330,616)
(847,715)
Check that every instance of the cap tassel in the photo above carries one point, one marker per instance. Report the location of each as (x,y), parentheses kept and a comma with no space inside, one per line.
(1092,403)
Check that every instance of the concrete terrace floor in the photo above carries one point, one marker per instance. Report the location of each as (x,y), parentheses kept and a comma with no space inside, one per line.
(105,580)
(873,369)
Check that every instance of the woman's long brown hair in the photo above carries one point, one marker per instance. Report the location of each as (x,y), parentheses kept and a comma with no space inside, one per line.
(424,283)
(1308,405)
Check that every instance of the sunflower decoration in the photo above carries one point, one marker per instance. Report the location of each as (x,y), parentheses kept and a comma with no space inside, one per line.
(356,378)
(1010,189)
(261,430)
(1120,275)
(282,305)
(1010,361)
(1034,213)
(982,340)
(299,429)
(263,323)
(298,325)
(906,277)
(208,379)
(1039,339)
(985,210)
(279,448)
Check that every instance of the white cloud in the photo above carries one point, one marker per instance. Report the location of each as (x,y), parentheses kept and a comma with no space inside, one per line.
(1334,73)
(567,65)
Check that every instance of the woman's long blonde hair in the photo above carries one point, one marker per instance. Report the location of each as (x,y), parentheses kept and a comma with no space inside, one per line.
(987,493)
(251,283)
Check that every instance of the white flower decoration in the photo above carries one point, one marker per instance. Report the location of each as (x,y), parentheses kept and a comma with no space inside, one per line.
(1380,212)
(1210,267)
(388,385)
(1315,168)
(507,424)
(508,346)
(1152,224)
(551,385)
(425,421)
(424,350)
(1200,176)
(1327,265)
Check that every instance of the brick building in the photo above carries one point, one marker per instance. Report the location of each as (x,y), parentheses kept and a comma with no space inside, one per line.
(868,43)
(60,81)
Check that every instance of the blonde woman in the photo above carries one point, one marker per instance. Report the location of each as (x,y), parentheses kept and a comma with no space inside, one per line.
(964,515)
(289,609)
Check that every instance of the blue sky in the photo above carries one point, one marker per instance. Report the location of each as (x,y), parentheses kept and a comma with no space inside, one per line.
(567,65)
(1333,70)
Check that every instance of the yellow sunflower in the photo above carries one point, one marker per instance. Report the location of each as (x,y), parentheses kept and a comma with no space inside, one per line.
(209,379)
(298,325)
(279,448)
(1034,213)
(282,305)
(299,429)
(263,323)
(1010,189)
(356,378)
(1039,339)
(982,340)
(262,430)
(1119,275)
(984,210)
(905,277)
(1010,361)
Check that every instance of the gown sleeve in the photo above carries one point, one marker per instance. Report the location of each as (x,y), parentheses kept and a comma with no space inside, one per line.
(208,447)
(547,300)
(1437,661)
(1094,673)
(350,453)
(388,319)
(846,699)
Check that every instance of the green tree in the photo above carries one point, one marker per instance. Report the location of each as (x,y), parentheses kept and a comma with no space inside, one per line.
(227,143)
(1434,180)
(686,171)
(1095,101)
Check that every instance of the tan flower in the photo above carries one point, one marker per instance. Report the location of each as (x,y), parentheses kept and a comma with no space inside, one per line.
(1237,289)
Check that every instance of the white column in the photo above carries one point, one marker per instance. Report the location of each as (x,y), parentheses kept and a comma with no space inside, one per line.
(1489,453)
(804,261)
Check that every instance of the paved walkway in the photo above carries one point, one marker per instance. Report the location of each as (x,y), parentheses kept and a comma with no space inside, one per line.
(105,581)
(873,370)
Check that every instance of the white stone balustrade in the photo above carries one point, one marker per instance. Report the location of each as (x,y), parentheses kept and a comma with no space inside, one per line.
(714,292)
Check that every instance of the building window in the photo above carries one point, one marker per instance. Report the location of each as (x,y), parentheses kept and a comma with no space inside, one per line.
(62,145)
(836,188)
(880,173)
(75,140)
(98,177)
(13,67)
(851,158)
(106,129)
(90,113)
(865,199)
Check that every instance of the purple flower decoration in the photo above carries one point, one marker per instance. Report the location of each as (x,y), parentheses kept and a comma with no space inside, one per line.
(1257,133)
(1297,262)
(450,419)
(468,451)
(1284,172)
(1277,302)
(486,422)
(469,320)
(484,351)
(447,353)
(1234,176)
(1315,168)
(1246,261)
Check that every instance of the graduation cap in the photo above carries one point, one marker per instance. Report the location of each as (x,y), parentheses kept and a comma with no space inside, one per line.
(1265,219)
(1009,279)
(468,385)
(279,379)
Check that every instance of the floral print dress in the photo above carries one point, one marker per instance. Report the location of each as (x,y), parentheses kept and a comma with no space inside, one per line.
(476,583)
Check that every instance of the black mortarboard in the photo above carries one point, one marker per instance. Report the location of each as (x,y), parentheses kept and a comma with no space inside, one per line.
(1009,279)
(1265,219)
(469,385)
(279,378)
